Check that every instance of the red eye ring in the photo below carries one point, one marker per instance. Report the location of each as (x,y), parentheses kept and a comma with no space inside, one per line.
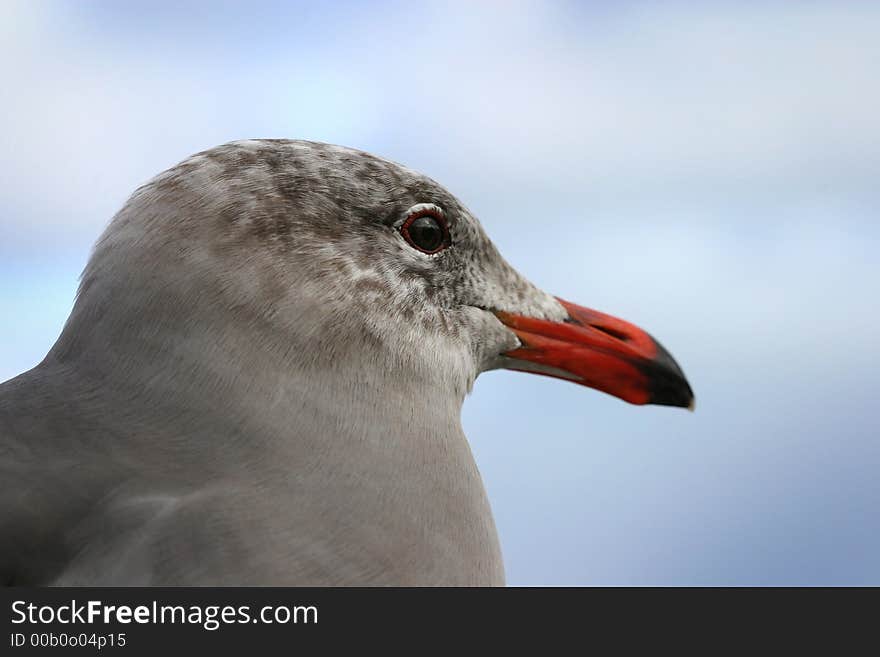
(429,237)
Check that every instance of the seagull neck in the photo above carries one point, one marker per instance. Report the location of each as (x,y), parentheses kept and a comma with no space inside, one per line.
(247,379)
(373,439)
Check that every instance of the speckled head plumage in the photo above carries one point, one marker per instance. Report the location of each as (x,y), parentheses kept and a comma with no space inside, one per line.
(302,239)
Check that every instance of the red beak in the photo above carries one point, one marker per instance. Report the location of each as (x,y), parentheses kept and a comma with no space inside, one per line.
(601,352)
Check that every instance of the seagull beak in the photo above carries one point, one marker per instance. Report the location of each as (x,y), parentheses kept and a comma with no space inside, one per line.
(601,352)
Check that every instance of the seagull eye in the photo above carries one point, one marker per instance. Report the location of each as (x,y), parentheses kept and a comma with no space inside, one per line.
(426,231)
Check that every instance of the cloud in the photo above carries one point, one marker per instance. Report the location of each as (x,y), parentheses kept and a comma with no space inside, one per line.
(643,101)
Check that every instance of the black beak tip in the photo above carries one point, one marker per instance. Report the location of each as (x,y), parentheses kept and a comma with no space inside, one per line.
(669,387)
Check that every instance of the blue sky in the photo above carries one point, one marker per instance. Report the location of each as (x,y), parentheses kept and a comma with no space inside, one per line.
(706,171)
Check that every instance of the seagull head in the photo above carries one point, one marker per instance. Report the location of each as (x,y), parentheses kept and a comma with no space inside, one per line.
(342,260)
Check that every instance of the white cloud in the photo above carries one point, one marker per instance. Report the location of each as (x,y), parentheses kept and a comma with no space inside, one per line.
(529,94)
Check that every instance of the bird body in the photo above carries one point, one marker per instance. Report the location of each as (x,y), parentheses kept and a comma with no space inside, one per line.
(261,382)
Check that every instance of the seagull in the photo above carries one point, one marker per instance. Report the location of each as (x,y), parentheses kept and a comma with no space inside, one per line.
(261,379)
